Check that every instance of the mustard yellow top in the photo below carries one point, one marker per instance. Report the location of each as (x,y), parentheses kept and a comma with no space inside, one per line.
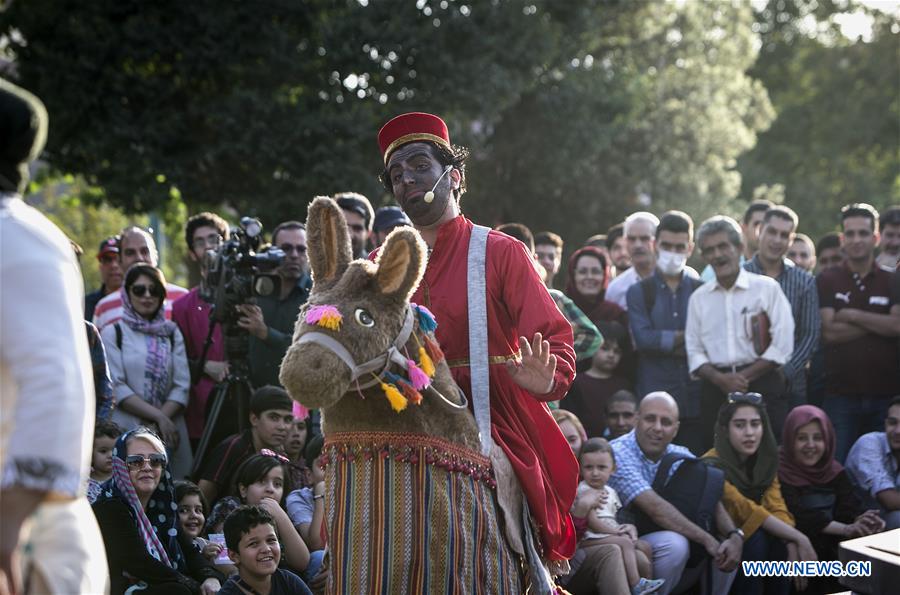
(749,515)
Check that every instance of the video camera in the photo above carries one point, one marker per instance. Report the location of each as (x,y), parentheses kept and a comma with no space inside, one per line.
(236,272)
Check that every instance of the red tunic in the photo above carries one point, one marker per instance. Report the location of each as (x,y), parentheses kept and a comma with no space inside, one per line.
(518,304)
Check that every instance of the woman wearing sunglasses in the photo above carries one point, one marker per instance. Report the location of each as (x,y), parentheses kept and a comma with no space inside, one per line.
(148,365)
(145,546)
(745,449)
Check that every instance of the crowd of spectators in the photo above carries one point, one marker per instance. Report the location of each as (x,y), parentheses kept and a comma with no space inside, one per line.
(764,369)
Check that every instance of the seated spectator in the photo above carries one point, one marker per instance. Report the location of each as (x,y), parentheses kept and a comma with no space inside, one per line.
(252,540)
(192,509)
(597,464)
(270,417)
(621,410)
(148,365)
(818,491)
(571,428)
(874,466)
(638,455)
(306,506)
(745,449)
(105,435)
(263,480)
(803,252)
(138,520)
(592,389)
(298,437)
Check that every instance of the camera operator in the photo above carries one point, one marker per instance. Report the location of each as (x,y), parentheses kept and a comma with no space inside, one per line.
(203,232)
(270,323)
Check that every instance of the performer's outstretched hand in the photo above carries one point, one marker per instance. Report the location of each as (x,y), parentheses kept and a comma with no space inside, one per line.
(535,371)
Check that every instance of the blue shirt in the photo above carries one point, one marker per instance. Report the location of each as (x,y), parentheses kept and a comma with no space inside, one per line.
(799,288)
(635,473)
(660,365)
(873,467)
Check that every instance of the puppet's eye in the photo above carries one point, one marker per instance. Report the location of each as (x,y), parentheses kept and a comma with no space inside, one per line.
(364,318)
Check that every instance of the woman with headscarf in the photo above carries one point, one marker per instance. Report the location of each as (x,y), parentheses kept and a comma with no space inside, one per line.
(745,449)
(586,286)
(148,365)
(146,549)
(818,490)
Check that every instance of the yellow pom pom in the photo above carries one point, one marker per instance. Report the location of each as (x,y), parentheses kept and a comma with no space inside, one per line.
(331,322)
(425,362)
(394,397)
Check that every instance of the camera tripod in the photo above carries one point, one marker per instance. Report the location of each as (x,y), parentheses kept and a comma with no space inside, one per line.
(227,410)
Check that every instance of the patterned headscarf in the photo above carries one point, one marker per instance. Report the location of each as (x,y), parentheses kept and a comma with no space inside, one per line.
(157,525)
(157,333)
(790,471)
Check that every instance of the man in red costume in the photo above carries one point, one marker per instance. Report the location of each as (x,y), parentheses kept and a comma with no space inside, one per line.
(529,341)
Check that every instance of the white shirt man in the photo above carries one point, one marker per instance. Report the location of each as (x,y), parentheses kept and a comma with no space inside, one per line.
(719,335)
(640,241)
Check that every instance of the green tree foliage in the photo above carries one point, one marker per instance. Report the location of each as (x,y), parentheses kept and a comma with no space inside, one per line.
(836,139)
(659,109)
(575,111)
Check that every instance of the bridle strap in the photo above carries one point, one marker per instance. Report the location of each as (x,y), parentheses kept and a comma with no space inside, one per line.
(377,365)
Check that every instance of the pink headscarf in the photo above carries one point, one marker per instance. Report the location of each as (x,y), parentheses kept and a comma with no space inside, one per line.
(790,471)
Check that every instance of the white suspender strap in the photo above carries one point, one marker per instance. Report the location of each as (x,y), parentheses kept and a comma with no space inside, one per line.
(479,369)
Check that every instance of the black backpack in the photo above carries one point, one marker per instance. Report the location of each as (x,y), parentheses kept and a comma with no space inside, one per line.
(695,489)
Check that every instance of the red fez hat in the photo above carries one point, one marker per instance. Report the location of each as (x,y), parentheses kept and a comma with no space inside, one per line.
(410,128)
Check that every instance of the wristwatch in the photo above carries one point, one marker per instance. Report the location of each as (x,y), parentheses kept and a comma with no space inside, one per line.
(738,530)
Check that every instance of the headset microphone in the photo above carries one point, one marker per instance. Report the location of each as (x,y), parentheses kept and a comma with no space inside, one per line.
(429,196)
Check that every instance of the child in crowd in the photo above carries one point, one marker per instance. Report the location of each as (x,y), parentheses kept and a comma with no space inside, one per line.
(105,435)
(192,516)
(298,437)
(306,506)
(252,540)
(597,464)
(571,428)
(591,390)
(261,481)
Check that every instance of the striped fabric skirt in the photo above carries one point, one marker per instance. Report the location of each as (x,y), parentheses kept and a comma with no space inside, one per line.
(414,514)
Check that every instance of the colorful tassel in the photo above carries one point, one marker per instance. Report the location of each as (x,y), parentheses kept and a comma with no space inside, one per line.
(394,397)
(425,362)
(417,377)
(414,396)
(427,321)
(325,316)
(433,349)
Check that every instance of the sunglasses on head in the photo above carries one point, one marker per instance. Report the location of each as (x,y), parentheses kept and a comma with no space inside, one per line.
(142,290)
(135,462)
(271,453)
(751,398)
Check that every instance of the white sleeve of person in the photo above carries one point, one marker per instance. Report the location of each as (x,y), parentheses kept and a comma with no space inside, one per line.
(46,382)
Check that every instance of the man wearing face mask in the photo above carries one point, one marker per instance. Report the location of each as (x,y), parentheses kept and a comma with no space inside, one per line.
(657,312)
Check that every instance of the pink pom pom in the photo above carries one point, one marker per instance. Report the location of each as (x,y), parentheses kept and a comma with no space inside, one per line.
(417,377)
(325,316)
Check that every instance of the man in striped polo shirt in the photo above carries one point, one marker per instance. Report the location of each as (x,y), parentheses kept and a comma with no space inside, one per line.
(135,245)
(776,236)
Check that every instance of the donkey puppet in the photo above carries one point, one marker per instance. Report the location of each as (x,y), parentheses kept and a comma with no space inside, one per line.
(410,501)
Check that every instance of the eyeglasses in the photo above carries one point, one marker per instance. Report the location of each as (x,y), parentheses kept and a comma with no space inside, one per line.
(271,453)
(210,241)
(751,398)
(135,462)
(288,248)
(142,290)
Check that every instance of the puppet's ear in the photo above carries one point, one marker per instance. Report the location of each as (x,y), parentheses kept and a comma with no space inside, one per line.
(328,241)
(401,263)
